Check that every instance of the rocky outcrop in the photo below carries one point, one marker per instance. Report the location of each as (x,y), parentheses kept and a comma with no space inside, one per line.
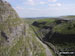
(6,11)
(16,37)
(11,26)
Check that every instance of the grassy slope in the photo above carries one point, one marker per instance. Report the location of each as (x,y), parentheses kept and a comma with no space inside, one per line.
(22,45)
(61,28)
(36,48)
(4,26)
(25,45)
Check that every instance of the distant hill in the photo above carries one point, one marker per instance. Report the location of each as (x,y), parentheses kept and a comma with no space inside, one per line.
(37,17)
(70,17)
(58,31)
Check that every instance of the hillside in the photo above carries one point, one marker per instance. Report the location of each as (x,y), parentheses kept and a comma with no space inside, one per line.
(35,36)
(16,36)
(57,31)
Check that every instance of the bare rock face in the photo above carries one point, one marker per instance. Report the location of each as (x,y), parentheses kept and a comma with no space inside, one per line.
(6,11)
(12,29)
(14,41)
(11,26)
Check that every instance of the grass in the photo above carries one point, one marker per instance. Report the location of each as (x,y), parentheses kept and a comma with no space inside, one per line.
(36,47)
(4,47)
(13,22)
(70,16)
(24,46)
(15,49)
(2,26)
(29,21)
(47,20)
(39,34)
(10,23)
(62,28)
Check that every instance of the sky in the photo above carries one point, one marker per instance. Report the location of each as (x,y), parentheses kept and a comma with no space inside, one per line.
(43,8)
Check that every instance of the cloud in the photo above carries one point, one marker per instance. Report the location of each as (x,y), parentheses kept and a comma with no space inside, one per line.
(52,0)
(31,2)
(42,2)
(59,4)
(55,5)
(18,8)
(36,9)
(6,0)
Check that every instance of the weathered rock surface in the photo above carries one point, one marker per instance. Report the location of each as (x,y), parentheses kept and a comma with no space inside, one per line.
(12,28)
(11,25)
(15,39)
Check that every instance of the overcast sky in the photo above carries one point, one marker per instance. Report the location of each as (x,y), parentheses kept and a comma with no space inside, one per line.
(43,8)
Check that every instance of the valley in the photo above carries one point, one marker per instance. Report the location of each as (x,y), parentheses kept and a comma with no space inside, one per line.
(35,36)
